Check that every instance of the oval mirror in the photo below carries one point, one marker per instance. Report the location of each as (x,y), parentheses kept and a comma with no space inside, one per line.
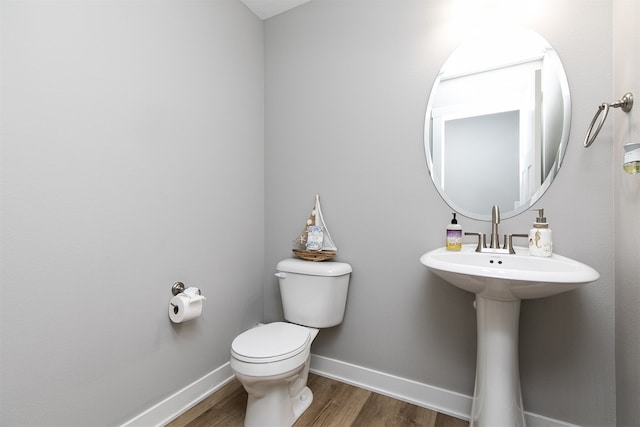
(497,123)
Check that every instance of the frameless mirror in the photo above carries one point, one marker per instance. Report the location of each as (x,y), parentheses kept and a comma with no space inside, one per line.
(497,123)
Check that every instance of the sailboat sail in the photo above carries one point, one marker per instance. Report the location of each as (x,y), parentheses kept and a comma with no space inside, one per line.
(327,242)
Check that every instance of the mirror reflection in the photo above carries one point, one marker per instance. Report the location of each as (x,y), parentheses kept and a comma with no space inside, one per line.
(497,123)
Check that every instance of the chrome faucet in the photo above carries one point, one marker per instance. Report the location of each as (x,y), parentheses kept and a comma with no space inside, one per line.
(495,220)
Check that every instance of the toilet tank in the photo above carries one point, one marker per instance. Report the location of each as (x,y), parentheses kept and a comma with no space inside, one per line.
(313,293)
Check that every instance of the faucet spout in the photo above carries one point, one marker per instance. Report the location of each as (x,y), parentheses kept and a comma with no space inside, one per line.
(495,220)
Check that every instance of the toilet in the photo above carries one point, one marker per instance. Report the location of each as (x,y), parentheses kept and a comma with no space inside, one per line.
(271,361)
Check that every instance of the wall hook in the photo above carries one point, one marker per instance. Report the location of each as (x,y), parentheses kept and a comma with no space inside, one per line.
(625,104)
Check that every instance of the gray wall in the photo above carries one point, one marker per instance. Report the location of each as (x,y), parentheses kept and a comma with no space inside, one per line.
(132,157)
(626,65)
(347,84)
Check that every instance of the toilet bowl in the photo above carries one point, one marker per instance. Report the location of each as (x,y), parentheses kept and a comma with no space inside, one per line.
(272,361)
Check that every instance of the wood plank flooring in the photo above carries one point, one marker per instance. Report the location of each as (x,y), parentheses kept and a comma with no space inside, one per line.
(335,404)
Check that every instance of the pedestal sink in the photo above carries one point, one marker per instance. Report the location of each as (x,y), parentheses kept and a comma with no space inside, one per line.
(500,282)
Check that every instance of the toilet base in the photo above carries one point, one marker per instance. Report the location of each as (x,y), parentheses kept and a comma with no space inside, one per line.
(278,392)
(302,402)
(277,408)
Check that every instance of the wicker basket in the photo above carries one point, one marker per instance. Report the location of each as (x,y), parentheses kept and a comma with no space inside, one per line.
(314,255)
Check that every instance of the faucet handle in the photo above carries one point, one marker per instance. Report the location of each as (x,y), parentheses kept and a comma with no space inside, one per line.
(508,241)
(482,240)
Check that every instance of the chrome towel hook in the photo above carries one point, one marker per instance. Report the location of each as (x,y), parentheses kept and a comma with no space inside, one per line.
(625,104)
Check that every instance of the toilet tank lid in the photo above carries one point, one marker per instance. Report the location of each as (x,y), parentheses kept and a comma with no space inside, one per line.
(314,268)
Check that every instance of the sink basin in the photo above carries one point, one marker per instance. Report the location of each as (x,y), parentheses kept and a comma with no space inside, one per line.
(508,277)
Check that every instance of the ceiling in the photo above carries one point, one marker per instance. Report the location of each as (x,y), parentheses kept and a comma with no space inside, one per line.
(265,9)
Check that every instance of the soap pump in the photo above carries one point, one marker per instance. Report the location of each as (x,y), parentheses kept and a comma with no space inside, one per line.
(454,235)
(540,242)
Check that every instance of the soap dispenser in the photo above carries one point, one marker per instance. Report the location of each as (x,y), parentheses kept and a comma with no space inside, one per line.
(454,235)
(540,242)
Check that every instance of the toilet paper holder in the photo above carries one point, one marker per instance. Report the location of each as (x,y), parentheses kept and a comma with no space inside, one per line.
(179,287)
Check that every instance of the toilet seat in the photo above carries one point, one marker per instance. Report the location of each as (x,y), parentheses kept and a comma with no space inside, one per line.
(271,343)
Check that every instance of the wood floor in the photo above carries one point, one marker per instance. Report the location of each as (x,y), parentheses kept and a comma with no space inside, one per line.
(335,404)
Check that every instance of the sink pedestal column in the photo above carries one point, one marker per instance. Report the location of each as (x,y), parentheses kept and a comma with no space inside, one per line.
(497,400)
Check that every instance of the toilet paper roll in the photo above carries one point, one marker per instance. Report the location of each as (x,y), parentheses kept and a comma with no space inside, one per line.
(182,308)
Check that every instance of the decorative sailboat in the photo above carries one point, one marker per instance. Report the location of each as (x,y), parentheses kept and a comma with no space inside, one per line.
(314,242)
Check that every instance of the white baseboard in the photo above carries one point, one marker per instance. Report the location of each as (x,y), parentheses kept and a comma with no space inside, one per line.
(420,394)
(182,400)
(535,420)
(424,395)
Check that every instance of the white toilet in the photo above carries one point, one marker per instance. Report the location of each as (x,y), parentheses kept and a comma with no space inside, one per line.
(272,361)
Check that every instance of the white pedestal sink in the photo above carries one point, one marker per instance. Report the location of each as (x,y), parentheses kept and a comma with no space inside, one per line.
(500,282)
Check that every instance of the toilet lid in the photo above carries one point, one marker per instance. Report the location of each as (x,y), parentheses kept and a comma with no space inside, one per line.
(270,343)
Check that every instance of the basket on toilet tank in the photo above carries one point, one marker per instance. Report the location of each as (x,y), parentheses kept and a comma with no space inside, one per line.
(313,293)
